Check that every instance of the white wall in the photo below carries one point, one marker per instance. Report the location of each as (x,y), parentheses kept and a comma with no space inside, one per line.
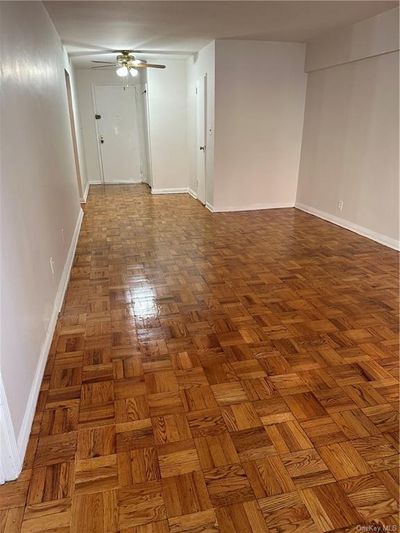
(259,108)
(168,125)
(39,202)
(350,139)
(203,63)
(85,80)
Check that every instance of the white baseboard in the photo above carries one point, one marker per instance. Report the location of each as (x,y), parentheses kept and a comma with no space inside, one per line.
(192,193)
(9,454)
(209,207)
(181,190)
(251,207)
(360,230)
(124,182)
(85,193)
(119,182)
(23,437)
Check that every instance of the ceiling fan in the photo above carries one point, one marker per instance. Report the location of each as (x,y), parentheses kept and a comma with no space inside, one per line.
(126,64)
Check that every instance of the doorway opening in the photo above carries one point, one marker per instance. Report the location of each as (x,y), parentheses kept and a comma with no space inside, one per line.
(122,133)
(73,135)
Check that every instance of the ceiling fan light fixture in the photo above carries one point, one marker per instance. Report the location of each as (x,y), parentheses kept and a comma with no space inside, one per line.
(137,62)
(133,72)
(122,72)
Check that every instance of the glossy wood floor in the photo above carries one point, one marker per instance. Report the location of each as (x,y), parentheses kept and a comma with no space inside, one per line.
(232,372)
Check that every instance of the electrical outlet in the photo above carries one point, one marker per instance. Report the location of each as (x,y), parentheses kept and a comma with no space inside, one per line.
(52,265)
(340,205)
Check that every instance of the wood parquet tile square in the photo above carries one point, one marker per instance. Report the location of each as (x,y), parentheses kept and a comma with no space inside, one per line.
(226,372)
(241,517)
(327,515)
(178,458)
(322,430)
(370,496)
(206,422)
(52,482)
(94,442)
(216,450)
(141,504)
(54,449)
(268,477)
(185,494)
(288,437)
(96,474)
(287,512)
(253,443)
(307,468)
(138,466)
(47,516)
(134,435)
(228,484)
(171,428)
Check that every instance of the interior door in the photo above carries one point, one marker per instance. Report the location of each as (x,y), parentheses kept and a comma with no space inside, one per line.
(201,128)
(118,134)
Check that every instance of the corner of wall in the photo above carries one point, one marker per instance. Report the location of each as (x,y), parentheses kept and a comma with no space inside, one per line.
(10,458)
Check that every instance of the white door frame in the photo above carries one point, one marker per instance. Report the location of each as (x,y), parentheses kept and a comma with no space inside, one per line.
(100,160)
(142,92)
(147,113)
(201,83)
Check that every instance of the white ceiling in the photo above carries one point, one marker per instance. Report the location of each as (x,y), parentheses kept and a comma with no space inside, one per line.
(186,26)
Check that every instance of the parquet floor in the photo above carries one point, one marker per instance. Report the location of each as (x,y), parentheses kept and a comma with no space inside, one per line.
(232,372)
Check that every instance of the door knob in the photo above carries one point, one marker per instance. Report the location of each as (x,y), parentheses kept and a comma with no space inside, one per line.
(101,139)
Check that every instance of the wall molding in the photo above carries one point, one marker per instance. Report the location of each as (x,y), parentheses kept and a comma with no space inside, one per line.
(23,437)
(119,182)
(209,207)
(192,193)
(85,193)
(9,453)
(342,222)
(180,190)
(251,207)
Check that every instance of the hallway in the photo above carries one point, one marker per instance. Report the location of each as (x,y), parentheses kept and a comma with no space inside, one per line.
(208,359)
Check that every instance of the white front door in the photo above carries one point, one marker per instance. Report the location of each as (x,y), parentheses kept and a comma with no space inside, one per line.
(118,135)
(201,128)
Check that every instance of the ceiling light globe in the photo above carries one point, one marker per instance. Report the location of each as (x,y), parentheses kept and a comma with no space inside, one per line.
(122,71)
(133,72)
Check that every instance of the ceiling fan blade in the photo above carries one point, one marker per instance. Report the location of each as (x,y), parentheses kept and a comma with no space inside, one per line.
(149,65)
(104,62)
(105,66)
